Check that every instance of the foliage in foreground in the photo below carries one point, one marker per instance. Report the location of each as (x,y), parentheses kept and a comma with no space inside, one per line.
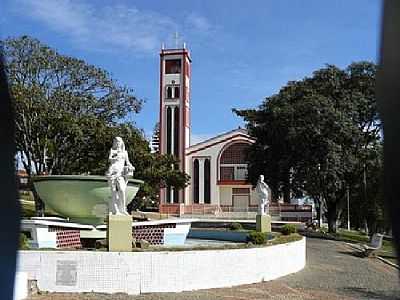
(288,229)
(67,114)
(257,238)
(235,226)
(64,106)
(318,136)
(23,242)
(283,239)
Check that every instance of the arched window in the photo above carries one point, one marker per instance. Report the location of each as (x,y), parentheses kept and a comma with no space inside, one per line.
(235,154)
(233,164)
(176,92)
(169,129)
(169,92)
(168,192)
(196,181)
(207,183)
(176,195)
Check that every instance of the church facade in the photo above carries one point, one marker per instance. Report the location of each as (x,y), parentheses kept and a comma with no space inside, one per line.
(216,166)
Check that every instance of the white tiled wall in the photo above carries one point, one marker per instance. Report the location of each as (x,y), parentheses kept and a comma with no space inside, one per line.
(144,272)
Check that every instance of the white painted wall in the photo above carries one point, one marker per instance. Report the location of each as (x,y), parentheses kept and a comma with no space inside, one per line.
(225,194)
(40,235)
(145,272)
(211,152)
(21,286)
(168,78)
(253,197)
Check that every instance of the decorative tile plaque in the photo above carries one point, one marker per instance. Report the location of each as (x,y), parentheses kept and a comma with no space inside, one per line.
(66,272)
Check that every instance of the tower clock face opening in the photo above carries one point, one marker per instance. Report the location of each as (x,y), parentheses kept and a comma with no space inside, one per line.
(173,66)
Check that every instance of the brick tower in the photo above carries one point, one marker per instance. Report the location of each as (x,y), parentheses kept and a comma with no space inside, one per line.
(174,112)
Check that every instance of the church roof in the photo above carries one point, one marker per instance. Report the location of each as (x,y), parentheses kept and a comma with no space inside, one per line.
(240,132)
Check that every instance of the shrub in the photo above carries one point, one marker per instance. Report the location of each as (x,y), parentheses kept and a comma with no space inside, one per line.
(23,242)
(257,238)
(235,226)
(283,239)
(288,229)
(323,230)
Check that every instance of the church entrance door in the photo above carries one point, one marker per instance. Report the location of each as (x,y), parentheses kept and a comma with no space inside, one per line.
(240,202)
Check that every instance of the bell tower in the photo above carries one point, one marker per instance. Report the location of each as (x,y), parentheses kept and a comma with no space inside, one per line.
(175,75)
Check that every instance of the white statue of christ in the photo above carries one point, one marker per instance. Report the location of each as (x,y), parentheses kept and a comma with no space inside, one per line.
(262,190)
(117,174)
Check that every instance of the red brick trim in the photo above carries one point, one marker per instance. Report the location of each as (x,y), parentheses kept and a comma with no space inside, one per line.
(161,125)
(183,123)
(246,139)
(233,182)
(183,52)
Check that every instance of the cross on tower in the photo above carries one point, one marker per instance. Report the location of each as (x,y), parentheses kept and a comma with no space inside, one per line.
(176,37)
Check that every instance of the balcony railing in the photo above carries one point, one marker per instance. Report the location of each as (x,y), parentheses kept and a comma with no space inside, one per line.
(233,172)
(286,212)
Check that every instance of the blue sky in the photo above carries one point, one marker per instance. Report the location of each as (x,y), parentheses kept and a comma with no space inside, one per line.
(242,51)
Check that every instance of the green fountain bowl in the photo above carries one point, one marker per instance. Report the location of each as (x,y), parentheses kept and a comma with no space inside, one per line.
(83,199)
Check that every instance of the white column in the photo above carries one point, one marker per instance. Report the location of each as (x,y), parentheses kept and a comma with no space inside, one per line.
(172,129)
(171,193)
(201,180)
(172,145)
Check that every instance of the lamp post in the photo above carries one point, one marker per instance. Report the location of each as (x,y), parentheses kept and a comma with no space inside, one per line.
(365,193)
(348,208)
(320,196)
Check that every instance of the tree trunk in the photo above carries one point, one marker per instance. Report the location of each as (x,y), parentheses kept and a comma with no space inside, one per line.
(332,217)
(39,204)
(286,194)
(366,227)
(317,203)
(286,188)
(274,192)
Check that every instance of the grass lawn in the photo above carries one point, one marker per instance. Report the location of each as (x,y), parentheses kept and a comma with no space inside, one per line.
(387,251)
(150,215)
(28,207)
(352,236)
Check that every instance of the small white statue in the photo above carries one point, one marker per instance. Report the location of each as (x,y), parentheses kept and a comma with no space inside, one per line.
(117,174)
(262,190)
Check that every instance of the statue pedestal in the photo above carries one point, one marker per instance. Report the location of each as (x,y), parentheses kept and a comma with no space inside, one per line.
(263,223)
(119,233)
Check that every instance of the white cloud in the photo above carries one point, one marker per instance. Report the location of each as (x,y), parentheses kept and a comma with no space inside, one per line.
(101,27)
(113,26)
(197,22)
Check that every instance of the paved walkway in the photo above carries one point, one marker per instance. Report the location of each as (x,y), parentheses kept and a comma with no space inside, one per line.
(332,272)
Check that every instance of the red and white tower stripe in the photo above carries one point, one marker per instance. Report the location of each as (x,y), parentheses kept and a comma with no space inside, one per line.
(174,112)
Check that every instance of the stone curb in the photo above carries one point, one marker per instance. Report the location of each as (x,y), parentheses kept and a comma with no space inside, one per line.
(354,246)
(388,262)
(377,256)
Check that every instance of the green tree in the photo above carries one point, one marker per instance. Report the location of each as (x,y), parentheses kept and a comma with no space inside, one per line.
(157,172)
(60,103)
(155,139)
(371,212)
(68,112)
(312,137)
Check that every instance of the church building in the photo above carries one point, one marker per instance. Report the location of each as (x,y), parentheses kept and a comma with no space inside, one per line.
(216,166)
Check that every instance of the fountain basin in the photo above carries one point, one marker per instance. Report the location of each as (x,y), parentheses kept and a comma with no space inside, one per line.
(83,199)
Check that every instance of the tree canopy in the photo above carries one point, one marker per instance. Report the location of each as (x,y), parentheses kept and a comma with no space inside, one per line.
(315,135)
(68,112)
(61,102)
